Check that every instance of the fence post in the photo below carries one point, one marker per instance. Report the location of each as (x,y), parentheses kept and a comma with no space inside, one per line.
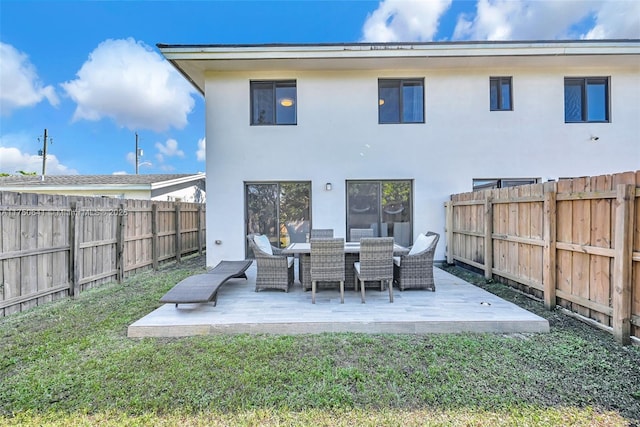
(74,249)
(154,235)
(199,225)
(549,263)
(449,230)
(488,236)
(120,245)
(178,234)
(622,263)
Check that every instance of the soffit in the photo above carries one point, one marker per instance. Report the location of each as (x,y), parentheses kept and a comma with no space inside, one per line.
(195,61)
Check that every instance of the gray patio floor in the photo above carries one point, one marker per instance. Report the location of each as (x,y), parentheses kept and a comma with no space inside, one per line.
(456,306)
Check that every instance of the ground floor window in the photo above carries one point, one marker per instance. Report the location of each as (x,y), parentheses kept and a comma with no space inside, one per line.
(279,210)
(384,206)
(491,183)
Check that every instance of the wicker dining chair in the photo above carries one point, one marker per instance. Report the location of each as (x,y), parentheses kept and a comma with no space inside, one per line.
(376,263)
(358,233)
(327,264)
(321,233)
(275,271)
(415,270)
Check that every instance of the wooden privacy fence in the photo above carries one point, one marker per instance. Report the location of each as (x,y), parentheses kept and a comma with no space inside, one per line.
(575,243)
(54,246)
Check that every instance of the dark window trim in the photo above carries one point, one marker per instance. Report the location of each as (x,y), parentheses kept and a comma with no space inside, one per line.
(274,85)
(584,83)
(500,81)
(401,83)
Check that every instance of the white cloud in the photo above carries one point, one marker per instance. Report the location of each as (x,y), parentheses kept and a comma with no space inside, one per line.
(170,148)
(120,173)
(13,160)
(617,20)
(549,20)
(128,82)
(404,20)
(201,154)
(19,83)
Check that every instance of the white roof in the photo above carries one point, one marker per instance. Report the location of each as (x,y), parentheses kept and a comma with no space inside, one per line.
(193,61)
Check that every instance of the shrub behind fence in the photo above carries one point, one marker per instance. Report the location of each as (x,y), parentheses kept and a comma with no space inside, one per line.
(54,246)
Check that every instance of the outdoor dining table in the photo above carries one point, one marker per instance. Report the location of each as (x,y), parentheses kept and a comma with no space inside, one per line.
(351,254)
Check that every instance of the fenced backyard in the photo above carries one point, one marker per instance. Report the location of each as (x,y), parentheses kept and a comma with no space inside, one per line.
(574,243)
(54,246)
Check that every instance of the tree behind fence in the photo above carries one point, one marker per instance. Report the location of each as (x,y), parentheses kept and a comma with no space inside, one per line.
(575,243)
(54,246)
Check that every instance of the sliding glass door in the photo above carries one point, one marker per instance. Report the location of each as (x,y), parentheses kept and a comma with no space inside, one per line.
(279,210)
(384,206)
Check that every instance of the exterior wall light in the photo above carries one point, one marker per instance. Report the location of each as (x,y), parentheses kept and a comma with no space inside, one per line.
(328,186)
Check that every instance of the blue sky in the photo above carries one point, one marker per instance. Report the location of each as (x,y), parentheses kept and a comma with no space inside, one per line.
(90,73)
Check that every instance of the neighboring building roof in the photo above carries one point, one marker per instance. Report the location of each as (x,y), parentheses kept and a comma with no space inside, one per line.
(193,61)
(131,182)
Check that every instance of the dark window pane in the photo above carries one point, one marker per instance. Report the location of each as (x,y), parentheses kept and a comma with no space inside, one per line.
(280,211)
(412,103)
(384,206)
(597,102)
(505,98)
(262,210)
(389,101)
(286,104)
(573,101)
(262,103)
(493,94)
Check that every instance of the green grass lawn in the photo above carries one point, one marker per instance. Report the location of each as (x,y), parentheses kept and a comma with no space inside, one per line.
(70,363)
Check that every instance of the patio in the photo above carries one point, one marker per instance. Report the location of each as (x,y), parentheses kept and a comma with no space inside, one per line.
(456,306)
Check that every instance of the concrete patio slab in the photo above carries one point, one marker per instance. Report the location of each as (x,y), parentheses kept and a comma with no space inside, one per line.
(456,306)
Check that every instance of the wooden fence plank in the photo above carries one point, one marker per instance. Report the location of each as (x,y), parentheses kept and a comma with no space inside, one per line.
(488,239)
(622,264)
(11,242)
(581,235)
(564,226)
(600,266)
(549,255)
(28,241)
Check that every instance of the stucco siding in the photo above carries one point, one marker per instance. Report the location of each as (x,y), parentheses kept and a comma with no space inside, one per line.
(338,138)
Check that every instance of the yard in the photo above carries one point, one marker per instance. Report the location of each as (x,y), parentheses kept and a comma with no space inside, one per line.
(70,363)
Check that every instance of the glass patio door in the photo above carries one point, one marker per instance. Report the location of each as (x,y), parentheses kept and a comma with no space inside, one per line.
(279,210)
(384,206)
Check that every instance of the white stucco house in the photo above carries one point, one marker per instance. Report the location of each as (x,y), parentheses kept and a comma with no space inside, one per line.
(378,135)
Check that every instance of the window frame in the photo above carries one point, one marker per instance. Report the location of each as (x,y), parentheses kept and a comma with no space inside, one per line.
(500,80)
(400,85)
(380,215)
(275,85)
(276,235)
(584,83)
(493,183)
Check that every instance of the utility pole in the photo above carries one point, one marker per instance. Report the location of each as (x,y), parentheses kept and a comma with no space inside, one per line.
(137,158)
(43,153)
(139,154)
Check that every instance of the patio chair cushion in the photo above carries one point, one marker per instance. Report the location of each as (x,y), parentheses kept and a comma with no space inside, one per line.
(422,243)
(263,243)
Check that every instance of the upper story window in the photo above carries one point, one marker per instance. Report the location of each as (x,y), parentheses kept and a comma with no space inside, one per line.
(500,94)
(400,100)
(273,102)
(586,99)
